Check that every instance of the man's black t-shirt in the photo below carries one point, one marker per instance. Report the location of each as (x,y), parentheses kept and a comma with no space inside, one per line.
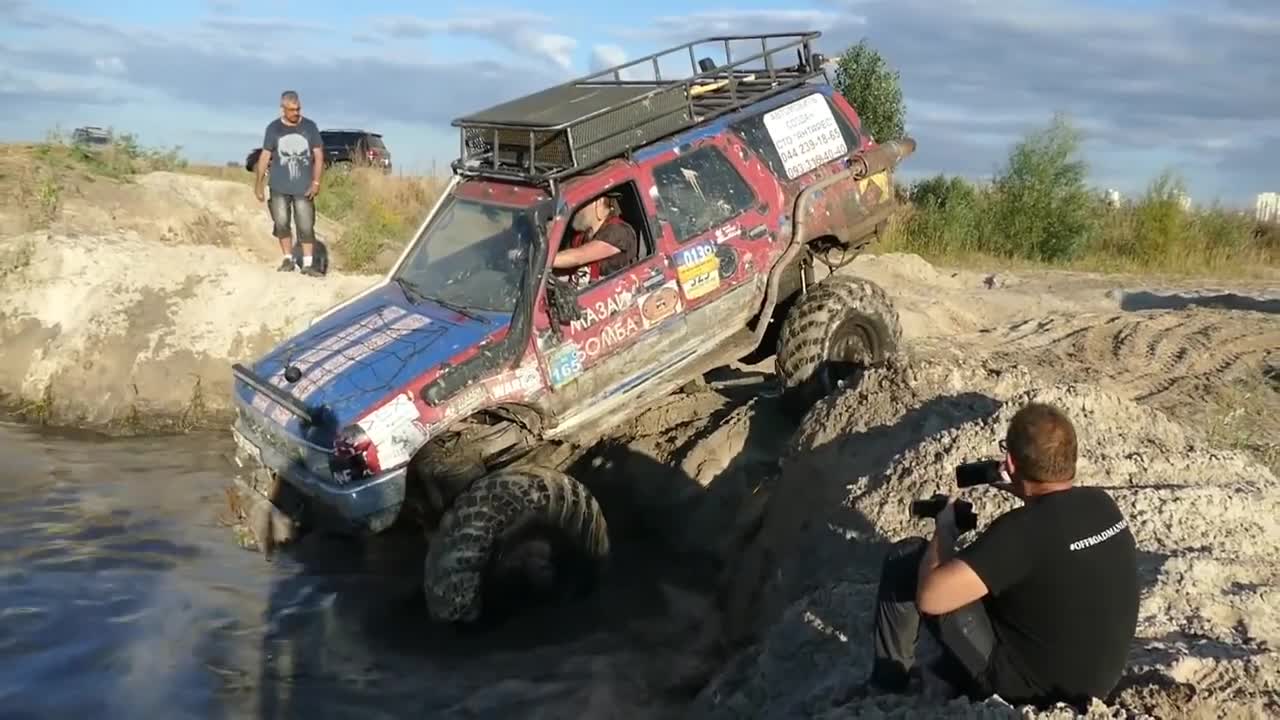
(622,236)
(1063,601)
(618,234)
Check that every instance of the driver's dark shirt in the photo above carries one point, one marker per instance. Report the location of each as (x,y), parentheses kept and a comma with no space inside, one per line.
(618,233)
(1063,582)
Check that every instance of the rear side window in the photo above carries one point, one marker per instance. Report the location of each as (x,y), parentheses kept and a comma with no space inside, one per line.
(699,191)
(375,141)
(340,139)
(799,136)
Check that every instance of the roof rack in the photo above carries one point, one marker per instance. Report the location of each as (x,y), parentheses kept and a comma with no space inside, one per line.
(568,128)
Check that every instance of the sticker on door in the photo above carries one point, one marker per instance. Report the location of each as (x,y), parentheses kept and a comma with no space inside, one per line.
(698,269)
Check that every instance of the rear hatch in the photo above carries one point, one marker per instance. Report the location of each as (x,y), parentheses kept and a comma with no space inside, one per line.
(376,151)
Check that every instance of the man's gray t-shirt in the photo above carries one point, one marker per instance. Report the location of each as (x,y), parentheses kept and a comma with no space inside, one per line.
(291,147)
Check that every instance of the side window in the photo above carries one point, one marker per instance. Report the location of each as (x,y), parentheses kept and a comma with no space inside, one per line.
(755,132)
(699,191)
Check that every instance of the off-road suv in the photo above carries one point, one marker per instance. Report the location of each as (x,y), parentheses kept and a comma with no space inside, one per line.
(455,392)
(91,137)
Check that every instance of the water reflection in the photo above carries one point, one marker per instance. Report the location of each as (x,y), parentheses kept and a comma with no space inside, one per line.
(121,595)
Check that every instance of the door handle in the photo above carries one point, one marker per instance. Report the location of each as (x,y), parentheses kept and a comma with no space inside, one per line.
(758,232)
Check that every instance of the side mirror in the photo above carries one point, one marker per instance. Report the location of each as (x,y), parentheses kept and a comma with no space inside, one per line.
(562,301)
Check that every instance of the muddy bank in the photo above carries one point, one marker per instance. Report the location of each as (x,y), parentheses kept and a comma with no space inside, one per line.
(113,330)
(801,593)
(128,310)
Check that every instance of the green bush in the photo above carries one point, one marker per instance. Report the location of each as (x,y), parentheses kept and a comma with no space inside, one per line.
(1041,208)
(948,217)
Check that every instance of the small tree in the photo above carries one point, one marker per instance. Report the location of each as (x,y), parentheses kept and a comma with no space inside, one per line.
(872,87)
(1043,208)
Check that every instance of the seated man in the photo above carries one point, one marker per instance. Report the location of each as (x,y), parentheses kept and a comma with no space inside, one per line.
(1041,608)
(603,244)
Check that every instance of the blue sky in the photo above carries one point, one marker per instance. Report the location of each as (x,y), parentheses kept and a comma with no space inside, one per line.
(1155,84)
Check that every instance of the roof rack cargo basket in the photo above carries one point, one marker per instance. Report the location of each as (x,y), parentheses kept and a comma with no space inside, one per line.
(568,128)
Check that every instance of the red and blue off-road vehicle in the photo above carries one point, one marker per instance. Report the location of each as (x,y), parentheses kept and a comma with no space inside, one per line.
(454,392)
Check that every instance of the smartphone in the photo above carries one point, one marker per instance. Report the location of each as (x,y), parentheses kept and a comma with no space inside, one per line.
(982,472)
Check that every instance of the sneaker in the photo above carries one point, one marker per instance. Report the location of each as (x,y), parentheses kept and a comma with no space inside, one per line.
(286,265)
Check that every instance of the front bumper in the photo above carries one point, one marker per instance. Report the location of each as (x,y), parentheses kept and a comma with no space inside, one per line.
(368,505)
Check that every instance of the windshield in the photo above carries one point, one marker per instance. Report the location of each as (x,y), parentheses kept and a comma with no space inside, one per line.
(471,257)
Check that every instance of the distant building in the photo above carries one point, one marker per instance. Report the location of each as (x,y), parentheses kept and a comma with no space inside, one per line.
(1267,207)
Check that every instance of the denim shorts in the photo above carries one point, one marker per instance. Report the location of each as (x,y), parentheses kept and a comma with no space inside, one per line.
(297,207)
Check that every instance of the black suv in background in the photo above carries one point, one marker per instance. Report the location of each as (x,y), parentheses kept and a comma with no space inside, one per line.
(91,137)
(355,146)
(344,148)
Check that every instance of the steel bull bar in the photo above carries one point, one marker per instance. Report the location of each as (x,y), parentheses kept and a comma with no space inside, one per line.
(368,505)
(289,402)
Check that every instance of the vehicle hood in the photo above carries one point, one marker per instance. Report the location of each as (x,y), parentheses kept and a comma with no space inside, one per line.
(352,360)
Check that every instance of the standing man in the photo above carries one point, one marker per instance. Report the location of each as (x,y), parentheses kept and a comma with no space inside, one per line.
(293,151)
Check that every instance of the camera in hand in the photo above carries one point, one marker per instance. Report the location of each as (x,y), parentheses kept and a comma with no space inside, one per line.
(982,472)
(966,518)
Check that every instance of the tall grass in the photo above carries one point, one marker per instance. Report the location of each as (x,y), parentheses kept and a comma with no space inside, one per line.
(378,213)
(1039,209)
(37,176)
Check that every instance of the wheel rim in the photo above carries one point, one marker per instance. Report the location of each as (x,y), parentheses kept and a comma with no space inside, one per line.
(852,348)
(533,566)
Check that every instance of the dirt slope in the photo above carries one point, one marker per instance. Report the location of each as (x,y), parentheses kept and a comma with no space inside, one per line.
(1145,387)
(132,305)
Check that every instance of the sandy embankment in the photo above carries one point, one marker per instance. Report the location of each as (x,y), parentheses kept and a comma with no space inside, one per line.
(1145,387)
(132,306)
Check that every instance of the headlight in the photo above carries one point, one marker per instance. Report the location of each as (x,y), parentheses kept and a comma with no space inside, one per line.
(354,456)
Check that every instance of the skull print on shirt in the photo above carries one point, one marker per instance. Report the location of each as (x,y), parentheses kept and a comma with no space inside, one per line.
(295,154)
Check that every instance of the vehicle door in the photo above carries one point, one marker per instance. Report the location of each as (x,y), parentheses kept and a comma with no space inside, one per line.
(609,337)
(720,235)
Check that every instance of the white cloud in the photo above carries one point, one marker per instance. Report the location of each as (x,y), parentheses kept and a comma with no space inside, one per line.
(706,23)
(556,48)
(517,32)
(256,25)
(110,65)
(1176,84)
(607,56)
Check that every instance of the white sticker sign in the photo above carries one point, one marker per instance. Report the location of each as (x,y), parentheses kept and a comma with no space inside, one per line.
(805,134)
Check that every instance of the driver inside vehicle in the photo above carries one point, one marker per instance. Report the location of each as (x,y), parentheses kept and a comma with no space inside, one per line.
(602,242)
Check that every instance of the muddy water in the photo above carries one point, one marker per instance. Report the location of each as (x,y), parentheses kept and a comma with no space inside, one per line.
(121,595)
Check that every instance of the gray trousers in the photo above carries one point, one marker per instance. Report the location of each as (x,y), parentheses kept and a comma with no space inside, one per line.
(965,634)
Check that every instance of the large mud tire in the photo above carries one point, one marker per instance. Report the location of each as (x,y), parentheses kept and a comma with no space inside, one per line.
(497,512)
(836,331)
